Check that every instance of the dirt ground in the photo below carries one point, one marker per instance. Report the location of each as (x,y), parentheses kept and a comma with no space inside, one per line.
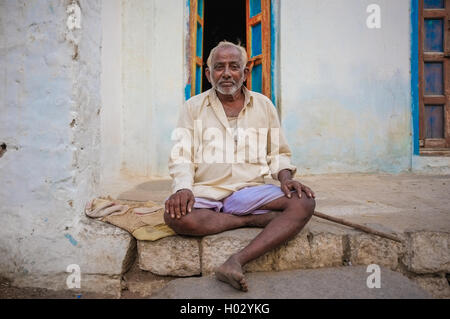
(7,291)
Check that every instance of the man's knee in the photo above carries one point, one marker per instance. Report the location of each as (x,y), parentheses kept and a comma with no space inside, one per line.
(304,207)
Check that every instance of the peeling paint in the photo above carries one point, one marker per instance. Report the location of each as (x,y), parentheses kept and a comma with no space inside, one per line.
(2,149)
(74,19)
(44,90)
(71,239)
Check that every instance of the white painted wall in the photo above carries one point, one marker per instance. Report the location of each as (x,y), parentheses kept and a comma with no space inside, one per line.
(50,121)
(39,170)
(111,91)
(345,88)
(142,88)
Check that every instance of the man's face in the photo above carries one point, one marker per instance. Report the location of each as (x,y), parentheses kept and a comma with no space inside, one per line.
(227,75)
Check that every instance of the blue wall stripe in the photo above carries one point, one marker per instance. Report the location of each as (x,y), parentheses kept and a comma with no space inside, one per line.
(187,88)
(272,53)
(187,92)
(415,74)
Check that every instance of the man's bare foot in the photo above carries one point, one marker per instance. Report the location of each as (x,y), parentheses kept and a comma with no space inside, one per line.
(231,273)
(261,220)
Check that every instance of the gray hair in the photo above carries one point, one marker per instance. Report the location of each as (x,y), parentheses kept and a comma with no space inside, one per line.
(226,44)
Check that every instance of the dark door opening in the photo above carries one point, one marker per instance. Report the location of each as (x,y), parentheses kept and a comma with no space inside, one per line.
(223,20)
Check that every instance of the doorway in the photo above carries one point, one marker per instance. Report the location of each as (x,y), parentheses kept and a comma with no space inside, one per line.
(246,21)
(223,20)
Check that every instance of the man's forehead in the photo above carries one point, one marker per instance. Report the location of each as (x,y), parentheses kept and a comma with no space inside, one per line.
(227,53)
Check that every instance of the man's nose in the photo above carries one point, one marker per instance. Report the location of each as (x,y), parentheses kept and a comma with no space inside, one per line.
(227,72)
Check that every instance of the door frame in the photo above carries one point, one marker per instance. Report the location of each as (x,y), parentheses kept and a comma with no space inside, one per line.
(274,51)
(417,99)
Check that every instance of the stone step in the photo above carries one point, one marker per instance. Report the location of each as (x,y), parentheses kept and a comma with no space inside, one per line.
(424,256)
(324,283)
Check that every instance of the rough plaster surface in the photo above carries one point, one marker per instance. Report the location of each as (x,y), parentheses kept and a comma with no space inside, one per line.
(437,165)
(345,88)
(150,71)
(143,76)
(50,92)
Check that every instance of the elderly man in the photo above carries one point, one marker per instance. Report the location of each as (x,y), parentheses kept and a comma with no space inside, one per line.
(212,191)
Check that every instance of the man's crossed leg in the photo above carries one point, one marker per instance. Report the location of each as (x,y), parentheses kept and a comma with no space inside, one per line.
(287,217)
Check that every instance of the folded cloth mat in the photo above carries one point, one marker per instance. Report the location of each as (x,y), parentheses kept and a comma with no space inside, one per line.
(144,220)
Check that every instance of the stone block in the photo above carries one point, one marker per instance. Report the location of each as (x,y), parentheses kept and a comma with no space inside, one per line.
(104,249)
(294,254)
(110,285)
(217,248)
(148,288)
(368,249)
(326,249)
(437,286)
(170,256)
(428,252)
(142,283)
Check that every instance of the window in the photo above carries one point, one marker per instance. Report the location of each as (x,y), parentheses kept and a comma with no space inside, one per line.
(434,71)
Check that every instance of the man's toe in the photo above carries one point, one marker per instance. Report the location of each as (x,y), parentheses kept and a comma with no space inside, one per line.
(243,284)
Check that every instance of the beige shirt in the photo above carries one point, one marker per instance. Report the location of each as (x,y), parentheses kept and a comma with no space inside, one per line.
(215,157)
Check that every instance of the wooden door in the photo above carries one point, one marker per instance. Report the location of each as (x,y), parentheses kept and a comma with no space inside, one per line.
(196,27)
(434,76)
(258,46)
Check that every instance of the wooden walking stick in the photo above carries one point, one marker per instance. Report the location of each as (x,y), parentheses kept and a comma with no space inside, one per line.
(357,226)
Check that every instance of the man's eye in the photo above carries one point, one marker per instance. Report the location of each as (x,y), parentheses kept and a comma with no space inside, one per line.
(218,67)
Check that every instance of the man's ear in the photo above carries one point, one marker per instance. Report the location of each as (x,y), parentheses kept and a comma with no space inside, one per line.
(247,69)
(246,73)
(208,74)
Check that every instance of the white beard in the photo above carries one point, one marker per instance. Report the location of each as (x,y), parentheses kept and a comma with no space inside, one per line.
(229,90)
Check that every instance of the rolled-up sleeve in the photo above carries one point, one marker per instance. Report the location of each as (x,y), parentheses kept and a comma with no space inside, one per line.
(181,159)
(278,151)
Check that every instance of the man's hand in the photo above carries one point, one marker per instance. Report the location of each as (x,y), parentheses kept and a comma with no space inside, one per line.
(180,203)
(288,185)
